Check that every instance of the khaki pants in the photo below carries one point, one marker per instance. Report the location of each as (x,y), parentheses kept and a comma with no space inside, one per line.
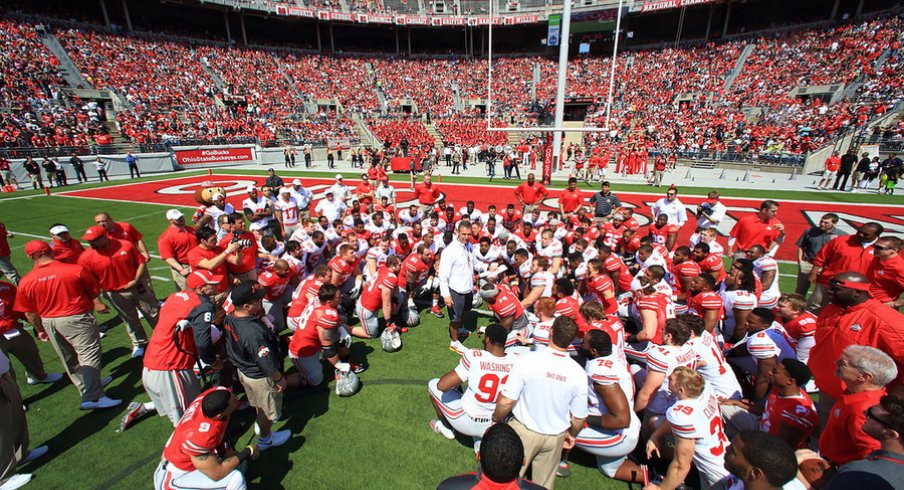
(127,302)
(179,280)
(818,299)
(803,278)
(24,348)
(76,341)
(541,452)
(13,427)
(8,269)
(263,396)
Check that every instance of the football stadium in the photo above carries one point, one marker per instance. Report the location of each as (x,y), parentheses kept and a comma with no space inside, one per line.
(416,244)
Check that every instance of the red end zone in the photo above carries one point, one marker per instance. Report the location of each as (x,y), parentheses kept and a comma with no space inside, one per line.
(796,215)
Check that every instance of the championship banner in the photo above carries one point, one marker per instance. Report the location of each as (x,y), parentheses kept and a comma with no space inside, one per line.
(204,156)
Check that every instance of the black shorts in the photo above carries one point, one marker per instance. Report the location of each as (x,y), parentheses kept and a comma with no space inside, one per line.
(461,305)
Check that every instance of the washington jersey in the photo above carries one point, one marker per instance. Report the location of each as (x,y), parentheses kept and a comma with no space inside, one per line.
(485,374)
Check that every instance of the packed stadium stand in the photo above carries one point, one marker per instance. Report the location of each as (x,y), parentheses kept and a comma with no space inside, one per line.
(736,99)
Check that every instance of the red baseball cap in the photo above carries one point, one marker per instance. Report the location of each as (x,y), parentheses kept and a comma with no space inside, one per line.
(201,277)
(37,247)
(94,232)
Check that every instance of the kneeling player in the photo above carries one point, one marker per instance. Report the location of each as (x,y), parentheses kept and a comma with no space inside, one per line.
(378,295)
(612,429)
(318,332)
(508,311)
(485,371)
(195,456)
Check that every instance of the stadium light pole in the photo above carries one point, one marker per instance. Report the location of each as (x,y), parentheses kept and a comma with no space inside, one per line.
(560,85)
(612,68)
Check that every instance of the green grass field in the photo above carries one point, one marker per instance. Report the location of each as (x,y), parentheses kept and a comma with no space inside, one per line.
(377,439)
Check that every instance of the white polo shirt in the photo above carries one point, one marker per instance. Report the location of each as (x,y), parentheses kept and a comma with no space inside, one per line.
(549,388)
(456,269)
(674,210)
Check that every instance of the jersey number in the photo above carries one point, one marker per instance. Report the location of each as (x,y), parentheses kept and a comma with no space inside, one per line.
(716,428)
(488,388)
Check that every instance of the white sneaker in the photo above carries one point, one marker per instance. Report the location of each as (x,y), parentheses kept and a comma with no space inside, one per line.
(102,402)
(49,379)
(35,454)
(137,352)
(441,429)
(17,481)
(106,380)
(276,439)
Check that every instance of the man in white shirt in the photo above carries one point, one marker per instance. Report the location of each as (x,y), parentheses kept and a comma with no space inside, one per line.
(710,212)
(257,208)
(331,207)
(340,191)
(385,190)
(672,207)
(303,198)
(456,282)
(547,394)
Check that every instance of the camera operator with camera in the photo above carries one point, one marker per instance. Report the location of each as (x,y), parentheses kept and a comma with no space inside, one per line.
(710,213)
(246,268)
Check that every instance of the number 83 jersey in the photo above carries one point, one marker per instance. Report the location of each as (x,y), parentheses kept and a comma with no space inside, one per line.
(485,374)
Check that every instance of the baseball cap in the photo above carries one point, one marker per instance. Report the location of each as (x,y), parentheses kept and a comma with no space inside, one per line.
(270,169)
(37,247)
(59,230)
(296,182)
(329,192)
(201,277)
(257,226)
(285,190)
(246,292)
(338,176)
(174,214)
(250,189)
(94,232)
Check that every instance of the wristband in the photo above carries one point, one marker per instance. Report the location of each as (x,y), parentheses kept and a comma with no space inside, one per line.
(244,454)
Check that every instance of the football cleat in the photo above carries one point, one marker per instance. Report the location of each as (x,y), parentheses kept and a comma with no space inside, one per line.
(441,429)
(133,413)
(437,312)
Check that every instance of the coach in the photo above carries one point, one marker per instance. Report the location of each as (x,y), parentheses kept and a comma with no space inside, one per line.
(255,351)
(174,245)
(547,394)
(530,194)
(57,299)
(119,268)
(456,282)
(605,203)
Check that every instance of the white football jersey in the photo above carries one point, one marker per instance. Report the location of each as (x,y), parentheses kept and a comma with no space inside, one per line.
(605,371)
(485,375)
(665,358)
(763,264)
(713,366)
(742,300)
(700,419)
(541,331)
(552,251)
(544,279)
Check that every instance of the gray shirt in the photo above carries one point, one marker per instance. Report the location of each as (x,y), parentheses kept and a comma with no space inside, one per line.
(604,204)
(812,241)
(880,470)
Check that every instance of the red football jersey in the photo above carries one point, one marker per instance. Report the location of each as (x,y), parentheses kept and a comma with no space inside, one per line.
(372,296)
(659,304)
(507,304)
(709,300)
(795,411)
(306,339)
(162,354)
(195,435)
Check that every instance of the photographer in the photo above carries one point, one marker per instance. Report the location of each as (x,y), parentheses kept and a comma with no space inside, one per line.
(245,269)
(710,213)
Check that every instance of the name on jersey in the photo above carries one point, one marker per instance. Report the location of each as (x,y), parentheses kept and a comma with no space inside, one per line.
(495,367)
(556,377)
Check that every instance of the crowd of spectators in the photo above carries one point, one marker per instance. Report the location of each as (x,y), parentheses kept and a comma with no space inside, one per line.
(393,131)
(672,99)
(471,132)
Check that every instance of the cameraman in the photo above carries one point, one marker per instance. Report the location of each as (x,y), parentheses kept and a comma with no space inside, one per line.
(710,213)
(246,268)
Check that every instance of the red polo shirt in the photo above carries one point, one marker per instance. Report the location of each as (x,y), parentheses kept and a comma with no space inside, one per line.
(842,254)
(68,252)
(199,253)
(530,194)
(362,189)
(869,323)
(248,255)
(842,439)
(115,265)
(176,244)
(426,195)
(571,200)
(751,230)
(125,231)
(55,290)
(886,279)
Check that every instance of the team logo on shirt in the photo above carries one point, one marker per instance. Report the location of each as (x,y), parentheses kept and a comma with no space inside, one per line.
(881,273)
(856,327)
(264,351)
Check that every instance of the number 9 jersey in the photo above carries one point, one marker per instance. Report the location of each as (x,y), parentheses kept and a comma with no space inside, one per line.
(485,375)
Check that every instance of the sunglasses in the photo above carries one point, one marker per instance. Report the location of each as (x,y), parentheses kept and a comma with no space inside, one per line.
(870,415)
(879,248)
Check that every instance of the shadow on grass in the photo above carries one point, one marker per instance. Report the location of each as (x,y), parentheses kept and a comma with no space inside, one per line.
(49,391)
